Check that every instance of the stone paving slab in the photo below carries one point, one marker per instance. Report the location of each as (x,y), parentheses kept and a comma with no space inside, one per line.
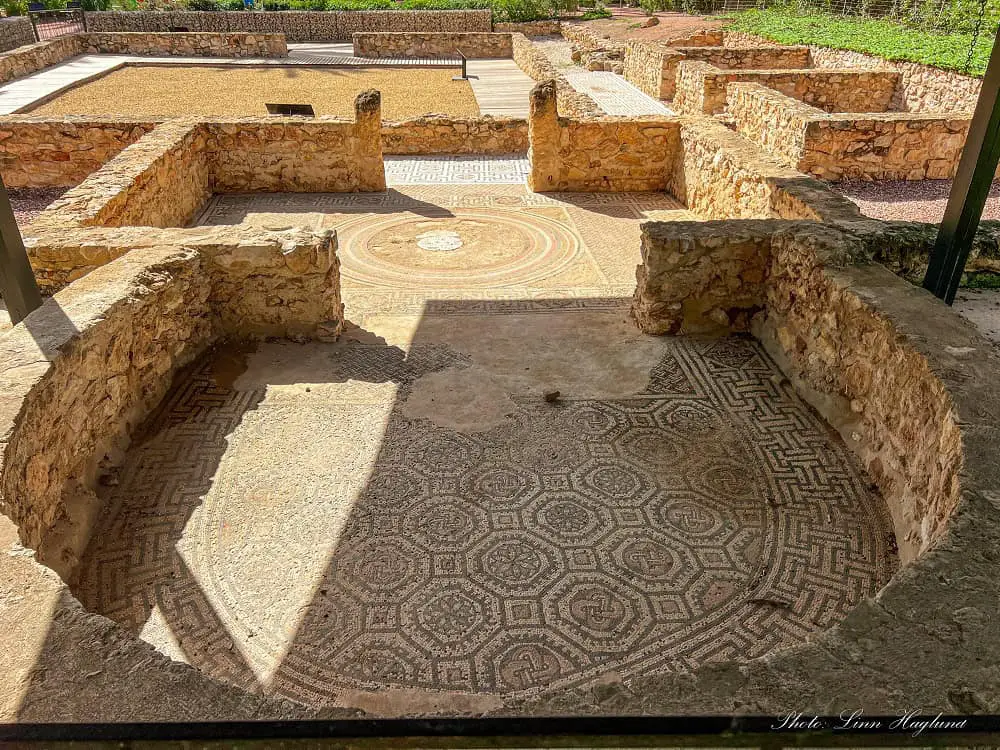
(615,95)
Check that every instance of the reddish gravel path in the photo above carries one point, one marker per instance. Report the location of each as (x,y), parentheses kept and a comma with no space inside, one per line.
(922,200)
(29,202)
(671,25)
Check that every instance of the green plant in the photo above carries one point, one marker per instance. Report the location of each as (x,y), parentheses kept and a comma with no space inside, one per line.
(655,6)
(598,12)
(520,11)
(14,7)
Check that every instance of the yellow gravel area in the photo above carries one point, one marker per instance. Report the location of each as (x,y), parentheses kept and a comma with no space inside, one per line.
(242,91)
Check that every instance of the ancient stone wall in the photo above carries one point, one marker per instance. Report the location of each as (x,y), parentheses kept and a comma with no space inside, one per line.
(652,68)
(887,146)
(922,88)
(158,181)
(297,26)
(195,44)
(530,28)
(598,154)
(432,44)
(63,151)
(718,174)
(322,155)
(693,281)
(537,66)
(15,32)
(34,57)
(702,87)
(440,134)
(112,342)
(795,285)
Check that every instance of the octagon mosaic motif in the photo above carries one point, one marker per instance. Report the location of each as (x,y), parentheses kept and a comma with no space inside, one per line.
(639,535)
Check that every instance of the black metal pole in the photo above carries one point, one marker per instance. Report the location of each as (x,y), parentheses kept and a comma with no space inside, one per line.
(976,170)
(17,281)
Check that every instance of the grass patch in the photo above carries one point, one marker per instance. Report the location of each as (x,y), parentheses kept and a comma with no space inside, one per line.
(886,39)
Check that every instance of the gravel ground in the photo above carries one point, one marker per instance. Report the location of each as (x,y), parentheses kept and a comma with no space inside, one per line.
(243,91)
(29,202)
(671,25)
(921,200)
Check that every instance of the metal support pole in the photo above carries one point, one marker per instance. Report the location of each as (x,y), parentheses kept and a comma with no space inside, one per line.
(465,74)
(970,190)
(17,281)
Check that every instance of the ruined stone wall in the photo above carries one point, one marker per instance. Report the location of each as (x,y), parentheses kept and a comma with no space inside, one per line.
(795,285)
(112,343)
(110,348)
(702,87)
(15,32)
(63,151)
(700,280)
(530,28)
(34,57)
(887,146)
(599,154)
(718,174)
(323,155)
(195,44)
(775,122)
(652,68)
(536,65)
(297,26)
(158,181)
(440,134)
(432,44)
(922,88)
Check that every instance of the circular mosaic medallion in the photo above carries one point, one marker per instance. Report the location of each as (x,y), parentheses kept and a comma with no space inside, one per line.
(470,250)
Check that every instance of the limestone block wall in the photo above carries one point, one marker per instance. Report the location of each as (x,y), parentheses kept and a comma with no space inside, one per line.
(922,88)
(63,151)
(295,155)
(432,44)
(297,26)
(195,44)
(652,67)
(691,282)
(702,87)
(158,181)
(806,291)
(439,134)
(718,174)
(601,154)
(15,32)
(536,65)
(887,146)
(112,343)
(531,28)
(34,57)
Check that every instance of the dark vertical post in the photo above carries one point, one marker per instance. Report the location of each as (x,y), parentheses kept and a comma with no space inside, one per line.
(968,196)
(17,281)
(34,26)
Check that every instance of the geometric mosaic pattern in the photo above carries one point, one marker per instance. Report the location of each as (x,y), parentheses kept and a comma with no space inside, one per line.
(456,170)
(710,516)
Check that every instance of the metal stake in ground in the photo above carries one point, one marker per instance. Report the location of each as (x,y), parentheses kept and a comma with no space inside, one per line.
(968,196)
(17,281)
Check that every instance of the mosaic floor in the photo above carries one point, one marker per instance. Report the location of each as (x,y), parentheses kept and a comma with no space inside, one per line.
(404,522)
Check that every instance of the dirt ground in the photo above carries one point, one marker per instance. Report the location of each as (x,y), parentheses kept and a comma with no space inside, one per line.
(243,91)
(671,25)
(899,200)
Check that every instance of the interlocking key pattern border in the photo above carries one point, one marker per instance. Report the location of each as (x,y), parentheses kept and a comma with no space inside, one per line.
(712,516)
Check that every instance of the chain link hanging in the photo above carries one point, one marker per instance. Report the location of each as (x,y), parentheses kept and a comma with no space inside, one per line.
(975,36)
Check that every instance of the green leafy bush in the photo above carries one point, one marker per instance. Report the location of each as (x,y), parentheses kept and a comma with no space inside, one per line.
(599,11)
(656,6)
(14,7)
(886,39)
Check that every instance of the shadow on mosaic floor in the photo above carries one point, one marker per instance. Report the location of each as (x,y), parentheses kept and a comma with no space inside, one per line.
(321,521)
